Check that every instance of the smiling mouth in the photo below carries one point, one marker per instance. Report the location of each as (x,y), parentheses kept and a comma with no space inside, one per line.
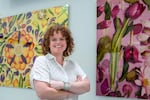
(58,46)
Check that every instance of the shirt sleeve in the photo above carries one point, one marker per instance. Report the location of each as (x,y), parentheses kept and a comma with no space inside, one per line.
(39,71)
(79,71)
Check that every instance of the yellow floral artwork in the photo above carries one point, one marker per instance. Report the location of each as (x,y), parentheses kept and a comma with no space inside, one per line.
(20,42)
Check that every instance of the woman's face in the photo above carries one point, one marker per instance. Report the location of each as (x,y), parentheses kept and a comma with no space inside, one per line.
(57,44)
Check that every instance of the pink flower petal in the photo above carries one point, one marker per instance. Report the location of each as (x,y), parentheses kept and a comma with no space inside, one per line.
(115,11)
(137,28)
(142,37)
(104,24)
(105,87)
(138,82)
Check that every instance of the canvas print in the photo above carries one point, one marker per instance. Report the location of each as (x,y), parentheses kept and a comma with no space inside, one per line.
(20,42)
(123,48)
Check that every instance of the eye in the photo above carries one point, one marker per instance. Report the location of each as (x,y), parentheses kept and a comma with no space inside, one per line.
(62,39)
(53,39)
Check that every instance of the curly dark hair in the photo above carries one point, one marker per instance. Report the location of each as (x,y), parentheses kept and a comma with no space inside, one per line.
(65,32)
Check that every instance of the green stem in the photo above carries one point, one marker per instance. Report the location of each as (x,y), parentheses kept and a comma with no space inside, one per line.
(114,64)
(115,51)
(2,49)
(121,33)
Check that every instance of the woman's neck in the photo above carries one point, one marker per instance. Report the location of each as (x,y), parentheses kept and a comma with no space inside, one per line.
(60,59)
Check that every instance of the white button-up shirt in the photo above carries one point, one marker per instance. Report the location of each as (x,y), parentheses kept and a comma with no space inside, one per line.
(46,68)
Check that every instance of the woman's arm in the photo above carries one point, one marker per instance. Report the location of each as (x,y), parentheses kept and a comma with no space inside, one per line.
(44,91)
(80,86)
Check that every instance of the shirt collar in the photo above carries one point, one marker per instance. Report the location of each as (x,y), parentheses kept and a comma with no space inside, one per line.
(50,57)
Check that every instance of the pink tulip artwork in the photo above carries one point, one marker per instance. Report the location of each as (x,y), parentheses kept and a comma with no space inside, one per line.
(123,48)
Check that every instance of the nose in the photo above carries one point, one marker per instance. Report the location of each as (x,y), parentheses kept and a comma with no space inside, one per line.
(58,41)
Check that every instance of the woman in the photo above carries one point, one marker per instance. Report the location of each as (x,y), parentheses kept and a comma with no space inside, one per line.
(54,76)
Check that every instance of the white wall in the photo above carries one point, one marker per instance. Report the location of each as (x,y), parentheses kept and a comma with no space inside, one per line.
(82,22)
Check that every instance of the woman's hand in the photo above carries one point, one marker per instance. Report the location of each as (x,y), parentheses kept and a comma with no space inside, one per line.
(79,78)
